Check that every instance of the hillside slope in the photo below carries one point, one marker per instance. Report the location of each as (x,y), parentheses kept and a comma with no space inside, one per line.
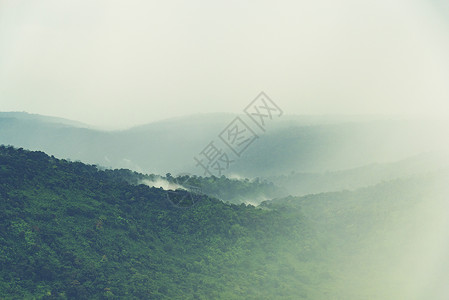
(71,231)
(387,241)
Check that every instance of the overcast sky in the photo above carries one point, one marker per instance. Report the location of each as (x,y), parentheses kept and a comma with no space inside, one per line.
(121,63)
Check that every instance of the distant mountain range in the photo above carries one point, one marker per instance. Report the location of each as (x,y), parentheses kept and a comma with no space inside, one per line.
(301,144)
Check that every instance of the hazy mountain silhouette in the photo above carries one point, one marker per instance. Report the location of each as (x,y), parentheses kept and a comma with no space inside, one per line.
(290,144)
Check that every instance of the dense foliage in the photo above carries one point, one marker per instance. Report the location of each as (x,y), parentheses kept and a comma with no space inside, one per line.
(68,230)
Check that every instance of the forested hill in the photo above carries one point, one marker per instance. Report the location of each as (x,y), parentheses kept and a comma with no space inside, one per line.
(70,231)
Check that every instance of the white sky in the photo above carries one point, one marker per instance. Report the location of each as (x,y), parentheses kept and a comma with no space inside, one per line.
(121,63)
